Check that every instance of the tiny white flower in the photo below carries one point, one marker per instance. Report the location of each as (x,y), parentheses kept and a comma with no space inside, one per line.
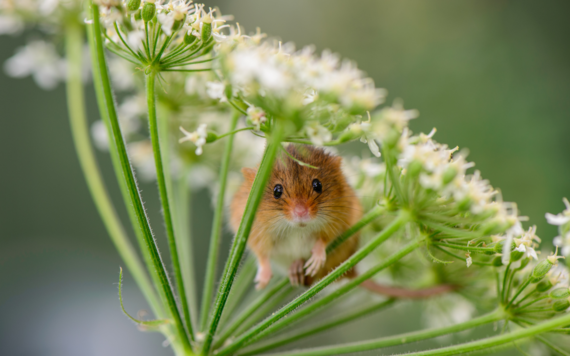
(215,90)
(469,260)
(318,134)
(198,137)
(558,219)
(256,116)
(40,60)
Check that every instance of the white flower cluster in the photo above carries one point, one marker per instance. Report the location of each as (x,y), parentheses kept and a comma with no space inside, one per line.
(562,220)
(15,13)
(300,77)
(40,60)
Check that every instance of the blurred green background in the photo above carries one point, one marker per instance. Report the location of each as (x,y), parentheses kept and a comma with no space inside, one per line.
(491,75)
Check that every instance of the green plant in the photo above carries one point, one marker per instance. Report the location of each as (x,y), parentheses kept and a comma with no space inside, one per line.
(420,200)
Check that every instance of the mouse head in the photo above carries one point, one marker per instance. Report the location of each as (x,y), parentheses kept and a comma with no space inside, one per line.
(298,195)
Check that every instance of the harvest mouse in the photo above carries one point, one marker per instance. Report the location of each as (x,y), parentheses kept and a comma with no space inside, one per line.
(302,210)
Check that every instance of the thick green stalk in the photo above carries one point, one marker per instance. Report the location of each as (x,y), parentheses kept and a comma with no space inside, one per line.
(128,176)
(397,339)
(102,105)
(217,229)
(497,340)
(161,180)
(88,162)
(327,325)
(278,321)
(238,246)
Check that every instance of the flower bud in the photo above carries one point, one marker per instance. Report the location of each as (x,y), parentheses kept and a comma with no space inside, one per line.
(148,11)
(138,15)
(133,5)
(189,38)
(206,32)
(414,168)
(543,286)
(500,244)
(212,137)
(392,138)
(540,271)
(497,261)
(516,255)
(561,305)
(560,293)
(449,175)
(524,263)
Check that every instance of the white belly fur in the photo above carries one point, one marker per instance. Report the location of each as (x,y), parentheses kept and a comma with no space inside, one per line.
(295,244)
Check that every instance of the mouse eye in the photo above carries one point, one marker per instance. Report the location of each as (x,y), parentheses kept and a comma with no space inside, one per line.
(317,186)
(278,191)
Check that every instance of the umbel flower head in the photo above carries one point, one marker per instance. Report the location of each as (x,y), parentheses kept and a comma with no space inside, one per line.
(161,36)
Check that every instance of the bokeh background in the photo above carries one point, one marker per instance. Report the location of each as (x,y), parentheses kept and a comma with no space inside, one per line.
(491,75)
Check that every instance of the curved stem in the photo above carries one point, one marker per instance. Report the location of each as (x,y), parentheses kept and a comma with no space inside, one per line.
(400,339)
(251,309)
(129,178)
(88,162)
(238,246)
(217,229)
(325,326)
(161,180)
(497,340)
(278,321)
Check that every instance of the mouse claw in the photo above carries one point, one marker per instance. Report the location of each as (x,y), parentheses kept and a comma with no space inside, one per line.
(315,263)
(296,273)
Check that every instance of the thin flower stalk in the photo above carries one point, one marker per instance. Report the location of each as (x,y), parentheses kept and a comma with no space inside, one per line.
(93,178)
(164,199)
(136,200)
(238,247)
(327,325)
(396,340)
(267,326)
(216,234)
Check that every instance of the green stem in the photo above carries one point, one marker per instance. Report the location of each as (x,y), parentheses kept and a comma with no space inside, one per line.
(518,292)
(114,153)
(241,286)
(238,246)
(251,309)
(182,201)
(161,180)
(128,176)
(497,340)
(278,321)
(88,162)
(553,346)
(326,326)
(400,339)
(216,234)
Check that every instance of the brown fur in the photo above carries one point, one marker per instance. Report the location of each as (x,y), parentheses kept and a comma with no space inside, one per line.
(337,205)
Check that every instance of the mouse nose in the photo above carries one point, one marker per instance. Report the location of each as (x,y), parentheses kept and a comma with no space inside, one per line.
(301,210)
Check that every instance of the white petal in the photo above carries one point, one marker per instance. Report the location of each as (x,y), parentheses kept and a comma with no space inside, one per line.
(557,219)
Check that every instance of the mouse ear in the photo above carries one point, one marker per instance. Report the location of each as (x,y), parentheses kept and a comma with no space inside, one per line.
(249,173)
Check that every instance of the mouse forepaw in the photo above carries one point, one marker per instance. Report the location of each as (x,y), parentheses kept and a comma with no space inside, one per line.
(262,278)
(316,262)
(297,273)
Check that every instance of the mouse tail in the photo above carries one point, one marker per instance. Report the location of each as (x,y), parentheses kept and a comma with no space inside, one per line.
(405,293)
